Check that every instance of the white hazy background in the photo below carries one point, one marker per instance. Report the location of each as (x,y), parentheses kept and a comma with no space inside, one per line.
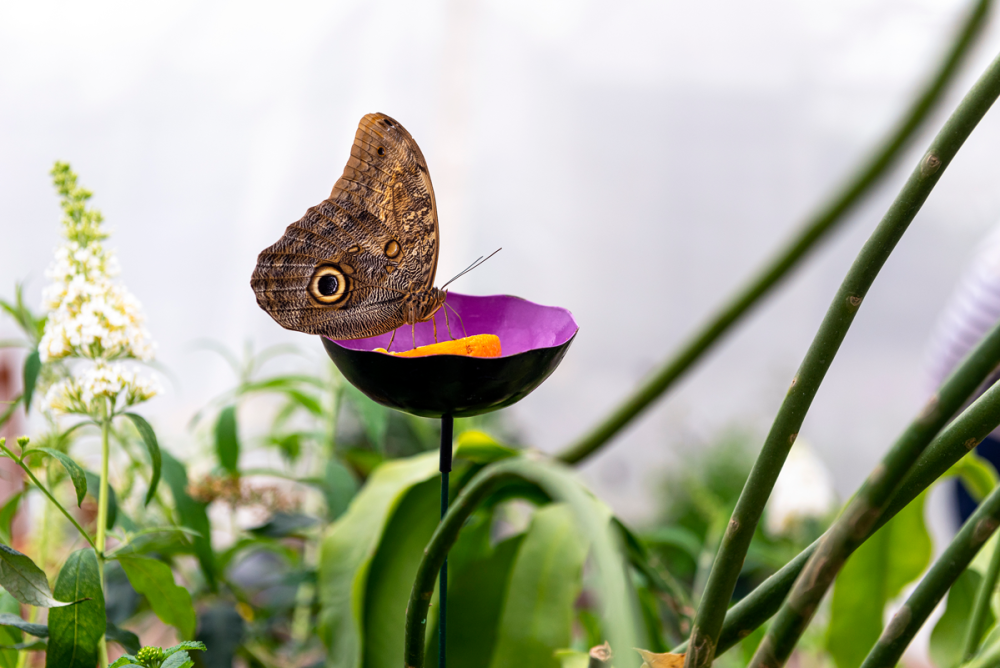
(636,160)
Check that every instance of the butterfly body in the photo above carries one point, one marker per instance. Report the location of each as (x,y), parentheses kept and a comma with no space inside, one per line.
(362,262)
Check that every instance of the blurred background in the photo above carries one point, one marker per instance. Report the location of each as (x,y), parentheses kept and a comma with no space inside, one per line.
(636,161)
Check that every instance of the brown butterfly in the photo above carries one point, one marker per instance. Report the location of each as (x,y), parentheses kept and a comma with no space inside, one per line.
(361,262)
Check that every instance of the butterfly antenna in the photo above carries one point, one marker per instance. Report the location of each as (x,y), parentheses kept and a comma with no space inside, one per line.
(472,266)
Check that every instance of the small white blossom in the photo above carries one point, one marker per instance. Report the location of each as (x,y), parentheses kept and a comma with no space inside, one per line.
(91,316)
(803,491)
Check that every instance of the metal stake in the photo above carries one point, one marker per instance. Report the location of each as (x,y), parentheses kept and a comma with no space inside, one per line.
(447,434)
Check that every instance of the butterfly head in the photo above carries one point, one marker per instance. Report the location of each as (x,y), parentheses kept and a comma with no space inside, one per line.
(421,305)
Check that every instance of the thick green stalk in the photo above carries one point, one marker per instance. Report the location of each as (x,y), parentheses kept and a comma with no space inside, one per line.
(982,603)
(785,632)
(863,511)
(620,620)
(954,442)
(908,619)
(102,513)
(814,231)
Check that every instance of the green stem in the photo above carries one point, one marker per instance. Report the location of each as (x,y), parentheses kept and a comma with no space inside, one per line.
(907,621)
(981,606)
(45,491)
(102,513)
(619,618)
(864,509)
(953,443)
(815,230)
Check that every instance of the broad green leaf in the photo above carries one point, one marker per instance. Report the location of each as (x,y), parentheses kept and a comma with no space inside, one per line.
(192,515)
(227,443)
(476,593)
(128,640)
(76,474)
(537,617)
(179,660)
(874,575)
(976,473)
(155,458)
(10,634)
(338,486)
(374,417)
(94,490)
(948,635)
(155,580)
(75,631)
(7,514)
(32,365)
(480,448)
(348,548)
(125,662)
(391,573)
(183,646)
(24,580)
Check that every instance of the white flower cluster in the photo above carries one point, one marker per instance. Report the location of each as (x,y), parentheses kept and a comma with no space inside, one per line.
(103,386)
(91,316)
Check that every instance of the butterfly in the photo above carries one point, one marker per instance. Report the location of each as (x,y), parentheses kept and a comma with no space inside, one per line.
(361,262)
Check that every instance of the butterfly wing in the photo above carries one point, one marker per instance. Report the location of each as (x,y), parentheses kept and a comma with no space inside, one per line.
(343,269)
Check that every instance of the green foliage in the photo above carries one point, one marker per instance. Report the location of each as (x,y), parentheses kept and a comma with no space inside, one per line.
(874,575)
(32,367)
(155,580)
(949,632)
(11,629)
(227,444)
(75,631)
(93,489)
(25,581)
(76,474)
(537,615)
(192,515)
(153,448)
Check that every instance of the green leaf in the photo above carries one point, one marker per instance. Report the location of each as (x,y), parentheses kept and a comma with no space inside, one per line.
(94,489)
(192,515)
(338,486)
(374,417)
(24,580)
(221,629)
(976,473)
(30,646)
(155,580)
(128,640)
(125,662)
(348,548)
(12,619)
(76,473)
(537,617)
(280,525)
(183,646)
(7,514)
(480,448)
(155,459)
(32,365)
(179,660)
(76,631)
(227,444)
(476,592)
(874,575)
(392,570)
(568,658)
(10,635)
(948,635)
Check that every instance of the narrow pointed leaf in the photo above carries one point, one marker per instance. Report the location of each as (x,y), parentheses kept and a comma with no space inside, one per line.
(75,631)
(37,630)
(7,514)
(227,443)
(76,474)
(24,580)
(94,489)
(155,458)
(192,515)
(9,635)
(128,640)
(155,580)
(32,365)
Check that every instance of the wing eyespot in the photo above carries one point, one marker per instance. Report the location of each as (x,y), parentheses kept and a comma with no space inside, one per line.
(329,285)
(380,150)
(393,249)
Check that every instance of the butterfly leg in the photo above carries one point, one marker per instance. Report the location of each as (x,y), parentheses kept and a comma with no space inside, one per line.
(434,320)
(413,333)
(391,339)
(460,320)
(448,324)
